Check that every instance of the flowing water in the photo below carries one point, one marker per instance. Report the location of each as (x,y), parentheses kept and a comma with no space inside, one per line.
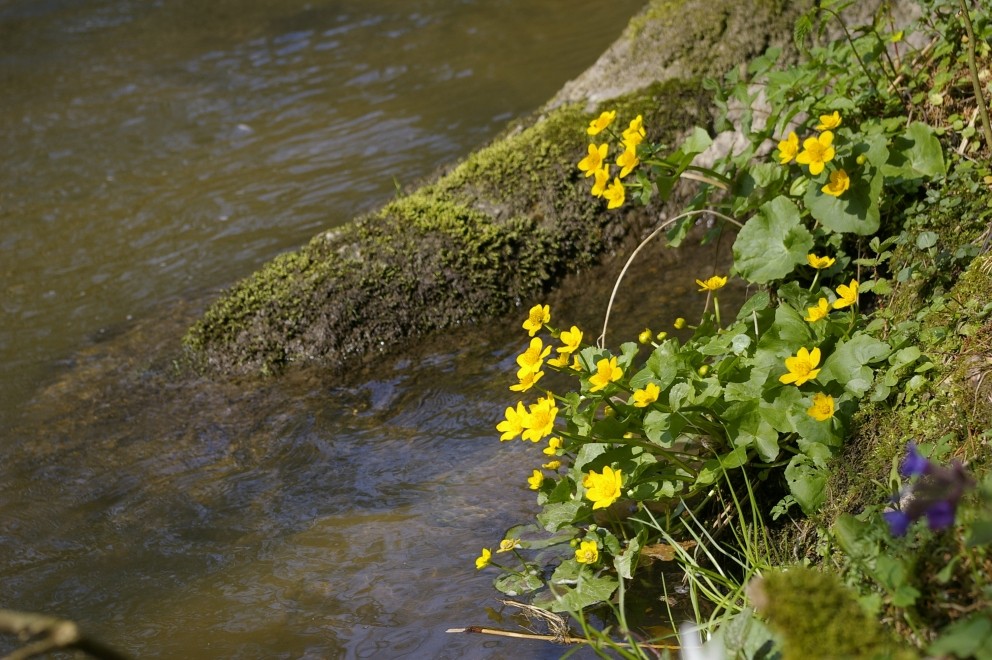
(152,153)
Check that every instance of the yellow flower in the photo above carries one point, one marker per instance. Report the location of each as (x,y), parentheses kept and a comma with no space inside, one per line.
(535,480)
(597,125)
(506,545)
(679,323)
(607,372)
(846,295)
(533,357)
(576,363)
(802,367)
(602,178)
(646,336)
(603,489)
(483,559)
(818,312)
(822,408)
(536,318)
(587,553)
(627,161)
(539,421)
(554,444)
(661,336)
(528,378)
(788,148)
(513,425)
(645,397)
(594,160)
(561,361)
(552,465)
(634,134)
(712,284)
(829,122)
(570,339)
(615,194)
(817,152)
(838,184)
(819,263)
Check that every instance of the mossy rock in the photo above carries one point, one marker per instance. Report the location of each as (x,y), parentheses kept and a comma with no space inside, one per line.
(816,616)
(498,230)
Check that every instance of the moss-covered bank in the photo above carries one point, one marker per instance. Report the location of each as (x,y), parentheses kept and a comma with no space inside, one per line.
(499,229)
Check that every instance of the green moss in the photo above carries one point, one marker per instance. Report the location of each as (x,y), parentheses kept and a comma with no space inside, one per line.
(504,225)
(818,617)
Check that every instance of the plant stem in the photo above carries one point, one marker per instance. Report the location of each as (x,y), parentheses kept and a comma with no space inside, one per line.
(975,82)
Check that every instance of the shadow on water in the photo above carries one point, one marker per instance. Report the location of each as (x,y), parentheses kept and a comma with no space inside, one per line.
(326,512)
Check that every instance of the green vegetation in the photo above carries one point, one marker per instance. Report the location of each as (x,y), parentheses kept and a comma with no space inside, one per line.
(837,426)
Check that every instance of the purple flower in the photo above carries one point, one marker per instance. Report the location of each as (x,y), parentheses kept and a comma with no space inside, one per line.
(898,522)
(940,515)
(914,464)
(934,492)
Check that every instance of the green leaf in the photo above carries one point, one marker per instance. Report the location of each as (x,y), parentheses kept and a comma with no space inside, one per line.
(625,561)
(771,243)
(759,301)
(915,154)
(807,483)
(697,142)
(588,591)
(515,584)
(559,514)
(856,211)
(970,637)
(848,364)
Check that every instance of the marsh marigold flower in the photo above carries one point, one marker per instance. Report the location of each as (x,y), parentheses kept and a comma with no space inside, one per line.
(539,421)
(587,552)
(615,194)
(603,489)
(602,179)
(634,134)
(627,161)
(554,444)
(533,357)
(847,295)
(483,560)
(788,148)
(599,124)
(829,122)
(513,425)
(646,396)
(838,184)
(552,465)
(570,339)
(607,372)
(820,311)
(679,323)
(535,480)
(712,284)
(802,367)
(817,152)
(819,263)
(506,545)
(536,318)
(527,378)
(594,158)
(822,408)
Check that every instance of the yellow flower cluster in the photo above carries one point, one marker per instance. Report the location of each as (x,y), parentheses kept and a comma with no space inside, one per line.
(595,163)
(817,151)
